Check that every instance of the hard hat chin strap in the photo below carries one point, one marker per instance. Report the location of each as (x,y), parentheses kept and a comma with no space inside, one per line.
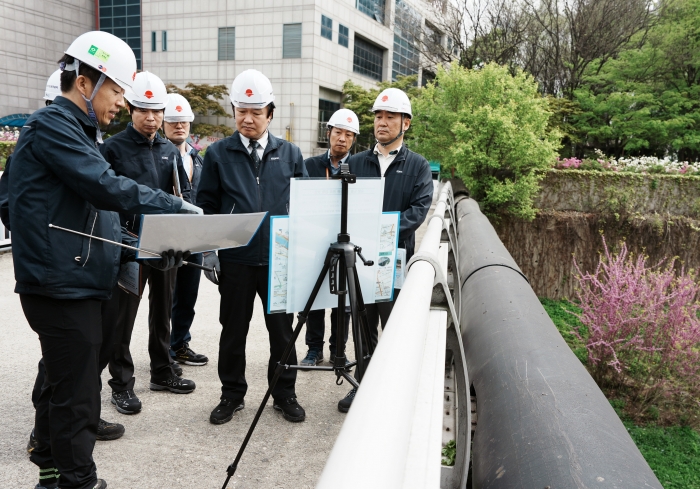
(88,101)
(401,133)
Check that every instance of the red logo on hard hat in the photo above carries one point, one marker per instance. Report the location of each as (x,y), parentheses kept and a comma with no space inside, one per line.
(148,94)
(385,98)
(349,119)
(103,69)
(178,108)
(133,77)
(249,93)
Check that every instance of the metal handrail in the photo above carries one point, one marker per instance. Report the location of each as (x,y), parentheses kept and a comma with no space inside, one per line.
(393,433)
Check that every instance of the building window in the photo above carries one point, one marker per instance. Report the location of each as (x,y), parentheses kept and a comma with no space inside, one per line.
(227,43)
(291,41)
(368,59)
(123,19)
(153,41)
(326,108)
(373,8)
(406,55)
(327,27)
(343,35)
(164,41)
(427,77)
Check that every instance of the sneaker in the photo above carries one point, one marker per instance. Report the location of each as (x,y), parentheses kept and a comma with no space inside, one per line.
(291,410)
(174,383)
(312,358)
(186,356)
(32,443)
(109,431)
(177,369)
(224,411)
(126,402)
(345,403)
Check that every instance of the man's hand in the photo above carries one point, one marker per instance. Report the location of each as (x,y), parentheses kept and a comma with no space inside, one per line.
(169,259)
(188,208)
(210,260)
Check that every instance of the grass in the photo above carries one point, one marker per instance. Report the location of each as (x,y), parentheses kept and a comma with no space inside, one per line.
(673,453)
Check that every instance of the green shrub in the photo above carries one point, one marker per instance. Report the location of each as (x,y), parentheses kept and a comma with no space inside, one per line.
(6,149)
(491,127)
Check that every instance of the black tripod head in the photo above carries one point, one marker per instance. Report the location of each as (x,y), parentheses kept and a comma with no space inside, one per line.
(345,174)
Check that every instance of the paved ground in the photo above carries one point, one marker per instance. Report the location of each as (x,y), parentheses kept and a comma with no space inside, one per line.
(170,443)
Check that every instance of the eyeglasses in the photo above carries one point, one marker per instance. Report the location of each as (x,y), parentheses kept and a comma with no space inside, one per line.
(178,124)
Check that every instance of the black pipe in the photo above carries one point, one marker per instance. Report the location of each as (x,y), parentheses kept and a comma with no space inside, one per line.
(542,420)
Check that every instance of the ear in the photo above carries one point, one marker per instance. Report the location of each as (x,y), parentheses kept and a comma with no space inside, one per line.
(406,123)
(84,85)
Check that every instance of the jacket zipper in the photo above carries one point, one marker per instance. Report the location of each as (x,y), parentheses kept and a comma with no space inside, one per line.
(92,229)
(234,206)
(260,252)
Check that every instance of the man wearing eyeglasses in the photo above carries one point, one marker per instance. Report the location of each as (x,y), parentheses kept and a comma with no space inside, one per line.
(176,126)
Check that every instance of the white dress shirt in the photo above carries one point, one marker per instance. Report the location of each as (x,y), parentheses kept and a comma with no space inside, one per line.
(262,142)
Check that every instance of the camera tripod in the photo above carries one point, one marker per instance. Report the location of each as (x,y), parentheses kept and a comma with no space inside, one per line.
(343,280)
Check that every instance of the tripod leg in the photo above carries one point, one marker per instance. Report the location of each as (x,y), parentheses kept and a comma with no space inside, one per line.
(357,329)
(280,367)
(364,320)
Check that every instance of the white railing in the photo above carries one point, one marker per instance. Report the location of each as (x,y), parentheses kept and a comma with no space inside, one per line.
(392,436)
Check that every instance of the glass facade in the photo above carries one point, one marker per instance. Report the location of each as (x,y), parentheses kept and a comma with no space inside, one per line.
(343,35)
(406,55)
(227,43)
(373,8)
(368,59)
(291,41)
(123,19)
(327,27)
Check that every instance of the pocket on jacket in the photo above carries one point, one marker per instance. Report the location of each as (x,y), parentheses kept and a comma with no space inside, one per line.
(89,228)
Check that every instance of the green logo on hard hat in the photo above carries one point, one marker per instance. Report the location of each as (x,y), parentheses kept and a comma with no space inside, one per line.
(98,53)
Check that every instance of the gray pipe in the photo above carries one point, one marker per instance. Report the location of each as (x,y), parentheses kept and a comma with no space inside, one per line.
(542,420)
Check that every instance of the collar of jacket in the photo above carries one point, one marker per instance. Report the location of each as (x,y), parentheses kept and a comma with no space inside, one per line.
(140,138)
(234,142)
(401,156)
(82,117)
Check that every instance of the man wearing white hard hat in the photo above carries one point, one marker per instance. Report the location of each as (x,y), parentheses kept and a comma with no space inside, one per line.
(408,187)
(141,153)
(342,130)
(176,126)
(53,87)
(59,177)
(249,171)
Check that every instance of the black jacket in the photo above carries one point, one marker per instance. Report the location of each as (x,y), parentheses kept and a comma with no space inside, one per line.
(59,177)
(4,195)
(231,185)
(316,166)
(408,188)
(148,162)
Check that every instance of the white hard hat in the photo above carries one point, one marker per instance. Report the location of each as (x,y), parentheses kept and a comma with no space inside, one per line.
(251,90)
(344,119)
(178,109)
(106,53)
(53,86)
(393,100)
(147,92)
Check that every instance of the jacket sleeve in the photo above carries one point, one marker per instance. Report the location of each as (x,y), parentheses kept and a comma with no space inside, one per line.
(4,195)
(72,157)
(209,189)
(131,240)
(299,166)
(421,198)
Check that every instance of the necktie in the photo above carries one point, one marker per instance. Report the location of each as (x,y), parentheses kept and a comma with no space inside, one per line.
(254,153)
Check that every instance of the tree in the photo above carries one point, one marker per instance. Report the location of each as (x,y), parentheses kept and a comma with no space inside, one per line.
(204,100)
(492,128)
(360,101)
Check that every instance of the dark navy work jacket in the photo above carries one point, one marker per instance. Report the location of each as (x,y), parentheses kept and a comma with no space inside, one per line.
(59,177)
(231,185)
(148,162)
(408,189)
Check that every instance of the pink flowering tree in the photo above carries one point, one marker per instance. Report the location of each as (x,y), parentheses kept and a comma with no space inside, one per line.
(643,331)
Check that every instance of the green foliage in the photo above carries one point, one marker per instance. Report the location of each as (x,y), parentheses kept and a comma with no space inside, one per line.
(360,100)
(6,149)
(449,452)
(205,101)
(562,313)
(647,100)
(492,128)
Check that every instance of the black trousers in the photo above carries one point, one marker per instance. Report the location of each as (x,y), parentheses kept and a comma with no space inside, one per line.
(316,329)
(110,312)
(160,300)
(68,406)
(377,313)
(184,299)
(238,285)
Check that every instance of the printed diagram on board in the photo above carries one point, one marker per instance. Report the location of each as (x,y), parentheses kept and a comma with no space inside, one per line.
(385,264)
(280,256)
(387,238)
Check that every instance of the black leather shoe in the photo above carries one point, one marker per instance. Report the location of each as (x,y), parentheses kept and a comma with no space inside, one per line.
(224,411)
(345,403)
(291,410)
(109,431)
(173,383)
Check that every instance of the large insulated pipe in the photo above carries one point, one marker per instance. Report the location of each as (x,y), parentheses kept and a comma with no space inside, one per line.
(542,420)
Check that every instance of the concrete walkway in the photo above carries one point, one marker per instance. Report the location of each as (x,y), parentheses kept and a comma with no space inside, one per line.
(170,443)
